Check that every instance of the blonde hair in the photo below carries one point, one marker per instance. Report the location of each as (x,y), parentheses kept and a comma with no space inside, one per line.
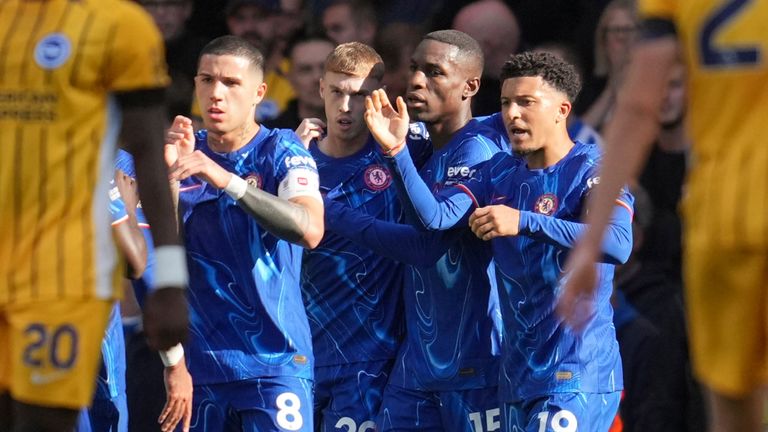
(356,59)
(601,56)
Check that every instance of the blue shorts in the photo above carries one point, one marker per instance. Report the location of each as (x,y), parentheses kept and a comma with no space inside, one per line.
(350,395)
(475,410)
(562,412)
(109,409)
(256,405)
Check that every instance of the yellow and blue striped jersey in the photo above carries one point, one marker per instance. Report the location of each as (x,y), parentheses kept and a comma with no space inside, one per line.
(61,61)
(725,45)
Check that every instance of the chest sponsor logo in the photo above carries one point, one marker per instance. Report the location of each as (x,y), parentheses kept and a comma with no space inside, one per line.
(52,51)
(546,204)
(292,161)
(460,171)
(377,178)
(594,181)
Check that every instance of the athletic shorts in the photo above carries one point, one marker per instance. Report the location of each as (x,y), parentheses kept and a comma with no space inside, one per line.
(348,396)
(50,351)
(273,404)
(727,304)
(562,412)
(472,410)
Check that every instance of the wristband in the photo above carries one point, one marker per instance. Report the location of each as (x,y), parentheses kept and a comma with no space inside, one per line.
(236,187)
(172,356)
(389,152)
(170,267)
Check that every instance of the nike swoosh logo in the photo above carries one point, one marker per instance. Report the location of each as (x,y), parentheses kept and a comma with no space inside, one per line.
(38,378)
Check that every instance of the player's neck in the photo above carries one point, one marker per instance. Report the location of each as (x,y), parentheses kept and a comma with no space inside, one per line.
(233,140)
(551,153)
(441,132)
(337,147)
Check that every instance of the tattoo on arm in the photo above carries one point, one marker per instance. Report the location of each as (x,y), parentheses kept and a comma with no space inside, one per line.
(280,217)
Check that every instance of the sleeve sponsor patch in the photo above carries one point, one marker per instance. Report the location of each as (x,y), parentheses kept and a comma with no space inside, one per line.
(300,182)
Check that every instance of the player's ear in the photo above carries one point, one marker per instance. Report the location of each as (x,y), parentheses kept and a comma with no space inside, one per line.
(261,91)
(471,86)
(563,110)
(322,88)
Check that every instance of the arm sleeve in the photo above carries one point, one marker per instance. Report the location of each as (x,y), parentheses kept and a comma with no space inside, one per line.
(617,242)
(441,212)
(399,242)
(117,209)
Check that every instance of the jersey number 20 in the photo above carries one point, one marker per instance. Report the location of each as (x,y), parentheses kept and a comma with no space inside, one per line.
(713,55)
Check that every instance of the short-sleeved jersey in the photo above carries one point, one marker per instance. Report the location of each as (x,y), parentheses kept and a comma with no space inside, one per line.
(725,46)
(60,62)
(352,295)
(247,318)
(453,323)
(142,285)
(541,356)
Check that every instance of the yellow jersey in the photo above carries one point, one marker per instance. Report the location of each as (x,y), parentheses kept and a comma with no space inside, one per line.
(61,61)
(725,46)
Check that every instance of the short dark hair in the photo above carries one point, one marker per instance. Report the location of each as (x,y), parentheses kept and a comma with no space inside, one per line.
(467,45)
(555,71)
(234,46)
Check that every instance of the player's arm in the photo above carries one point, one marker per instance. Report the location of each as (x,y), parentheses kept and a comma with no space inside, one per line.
(298,220)
(617,242)
(125,226)
(296,217)
(399,242)
(628,138)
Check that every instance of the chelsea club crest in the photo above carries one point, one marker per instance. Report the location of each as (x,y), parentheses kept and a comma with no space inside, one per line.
(377,178)
(546,204)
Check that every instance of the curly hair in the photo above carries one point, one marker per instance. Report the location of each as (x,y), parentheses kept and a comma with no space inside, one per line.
(555,71)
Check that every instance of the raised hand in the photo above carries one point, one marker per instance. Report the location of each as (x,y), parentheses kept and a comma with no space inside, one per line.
(388,125)
(179,140)
(309,129)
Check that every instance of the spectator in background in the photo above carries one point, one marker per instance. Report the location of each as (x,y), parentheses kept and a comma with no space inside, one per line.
(663,178)
(307,57)
(395,43)
(660,392)
(350,21)
(494,26)
(615,32)
(255,21)
(181,51)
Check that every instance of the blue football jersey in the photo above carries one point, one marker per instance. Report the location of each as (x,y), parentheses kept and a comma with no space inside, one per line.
(452,317)
(543,356)
(247,319)
(352,295)
(142,285)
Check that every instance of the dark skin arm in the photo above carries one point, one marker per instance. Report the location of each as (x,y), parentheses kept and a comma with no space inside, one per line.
(165,313)
(128,235)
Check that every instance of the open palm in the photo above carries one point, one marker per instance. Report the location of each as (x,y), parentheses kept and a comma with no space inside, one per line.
(388,125)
